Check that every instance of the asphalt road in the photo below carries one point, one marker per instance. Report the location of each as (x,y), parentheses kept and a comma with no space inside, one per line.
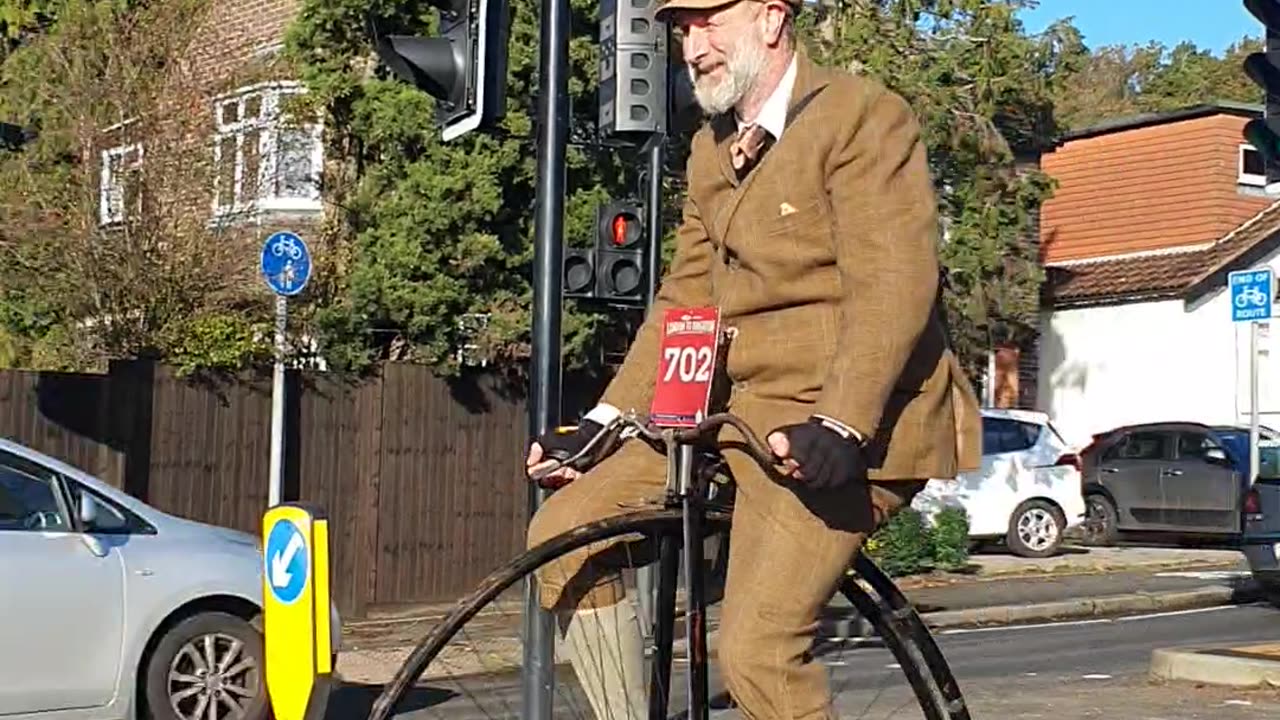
(1094,668)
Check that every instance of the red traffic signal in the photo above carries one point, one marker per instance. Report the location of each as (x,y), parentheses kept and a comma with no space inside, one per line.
(619,226)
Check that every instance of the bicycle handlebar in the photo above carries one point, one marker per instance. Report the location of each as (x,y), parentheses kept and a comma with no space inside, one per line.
(755,447)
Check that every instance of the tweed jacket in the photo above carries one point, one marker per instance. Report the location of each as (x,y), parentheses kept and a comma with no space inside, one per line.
(823,259)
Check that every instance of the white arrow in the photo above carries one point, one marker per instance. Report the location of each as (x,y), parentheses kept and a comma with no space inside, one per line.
(280,574)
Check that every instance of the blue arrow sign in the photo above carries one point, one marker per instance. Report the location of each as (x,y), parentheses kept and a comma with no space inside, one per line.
(285,556)
(286,263)
(1252,292)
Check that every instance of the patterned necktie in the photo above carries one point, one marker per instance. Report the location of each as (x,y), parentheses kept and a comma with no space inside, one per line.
(746,148)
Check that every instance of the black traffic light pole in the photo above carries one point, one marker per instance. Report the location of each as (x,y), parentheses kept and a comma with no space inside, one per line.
(544,380)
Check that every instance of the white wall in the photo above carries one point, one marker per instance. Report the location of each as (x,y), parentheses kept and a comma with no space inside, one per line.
(1153,361)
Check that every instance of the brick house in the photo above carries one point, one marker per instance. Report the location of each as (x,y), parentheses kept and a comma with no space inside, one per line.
(266,175)
(1150,215)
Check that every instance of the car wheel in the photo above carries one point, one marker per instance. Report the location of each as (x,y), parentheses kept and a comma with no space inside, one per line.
(1035,529)
(211,659)
(1099,526)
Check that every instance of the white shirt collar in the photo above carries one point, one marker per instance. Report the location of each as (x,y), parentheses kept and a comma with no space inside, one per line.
(773,114)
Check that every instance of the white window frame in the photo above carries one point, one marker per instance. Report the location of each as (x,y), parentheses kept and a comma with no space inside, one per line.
(111,189)
(1242,177)
(269,128)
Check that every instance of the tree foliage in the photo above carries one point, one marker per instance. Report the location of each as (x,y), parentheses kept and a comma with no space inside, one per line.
(1114,81)
(441,233)
(102,85)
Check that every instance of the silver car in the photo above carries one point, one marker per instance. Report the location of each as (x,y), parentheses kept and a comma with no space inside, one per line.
(111,609)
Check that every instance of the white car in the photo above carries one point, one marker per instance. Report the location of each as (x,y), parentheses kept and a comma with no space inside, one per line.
(1027,492)
(113,610)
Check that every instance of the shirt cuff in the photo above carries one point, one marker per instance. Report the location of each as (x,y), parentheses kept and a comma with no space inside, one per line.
(841,428)
(604,413)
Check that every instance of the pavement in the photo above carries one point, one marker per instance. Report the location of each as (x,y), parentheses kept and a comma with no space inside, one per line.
(1093,668)
(997,590)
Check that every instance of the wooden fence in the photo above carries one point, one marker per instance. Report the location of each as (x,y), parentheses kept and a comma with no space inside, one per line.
(421,478)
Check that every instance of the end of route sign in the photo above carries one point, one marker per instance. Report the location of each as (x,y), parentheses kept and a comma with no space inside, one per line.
(295,576)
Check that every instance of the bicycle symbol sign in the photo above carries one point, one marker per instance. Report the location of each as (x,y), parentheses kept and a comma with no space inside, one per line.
(686,365)
(1252,293)
(286,263)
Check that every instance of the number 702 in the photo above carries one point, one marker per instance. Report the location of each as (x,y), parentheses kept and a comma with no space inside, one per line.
(693,364)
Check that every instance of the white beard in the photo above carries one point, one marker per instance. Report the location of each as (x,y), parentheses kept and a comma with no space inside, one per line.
(743,65)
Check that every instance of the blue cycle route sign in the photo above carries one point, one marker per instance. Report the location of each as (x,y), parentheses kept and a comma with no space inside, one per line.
(285,556)
(1252,292)
(286,263)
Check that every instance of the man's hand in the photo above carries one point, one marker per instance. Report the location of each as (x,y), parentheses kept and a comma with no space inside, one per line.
(819,455)
(556,445)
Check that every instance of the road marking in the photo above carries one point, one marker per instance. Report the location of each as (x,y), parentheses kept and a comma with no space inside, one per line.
(1090,621)
(1205,574)
(1095,676)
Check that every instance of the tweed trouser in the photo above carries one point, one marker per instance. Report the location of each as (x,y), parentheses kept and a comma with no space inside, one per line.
(789,548)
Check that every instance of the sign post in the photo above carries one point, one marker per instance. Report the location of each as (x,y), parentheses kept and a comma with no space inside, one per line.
(298,630)
(286,266)
(1252,293)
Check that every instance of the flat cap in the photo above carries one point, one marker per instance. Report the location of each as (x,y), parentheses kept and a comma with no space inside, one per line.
(667,6)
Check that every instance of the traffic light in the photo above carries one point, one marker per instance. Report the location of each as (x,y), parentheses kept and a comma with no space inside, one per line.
(633,68)
(620,272)
(613,270)
(1264,69)
(464,68)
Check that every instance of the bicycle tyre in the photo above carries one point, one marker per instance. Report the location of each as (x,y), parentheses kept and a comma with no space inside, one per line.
(648,522)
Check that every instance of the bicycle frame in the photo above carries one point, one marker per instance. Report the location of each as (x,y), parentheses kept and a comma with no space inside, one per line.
(682,490)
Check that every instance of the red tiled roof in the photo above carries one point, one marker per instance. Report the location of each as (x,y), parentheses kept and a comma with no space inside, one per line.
(1166,273)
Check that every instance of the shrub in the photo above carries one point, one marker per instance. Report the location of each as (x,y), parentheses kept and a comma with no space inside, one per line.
(950,547)
(902,545)
(908,544)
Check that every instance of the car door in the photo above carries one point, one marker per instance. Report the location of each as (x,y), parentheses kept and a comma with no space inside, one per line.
(1129,468)
(1202,486)
(61,598)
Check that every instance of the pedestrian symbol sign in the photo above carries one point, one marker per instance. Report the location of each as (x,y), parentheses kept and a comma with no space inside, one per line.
(1252,292)
(286,557)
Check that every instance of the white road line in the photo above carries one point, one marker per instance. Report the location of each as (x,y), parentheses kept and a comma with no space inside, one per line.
(1090,621)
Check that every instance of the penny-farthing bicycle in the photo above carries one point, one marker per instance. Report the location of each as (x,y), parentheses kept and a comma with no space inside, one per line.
(462,671)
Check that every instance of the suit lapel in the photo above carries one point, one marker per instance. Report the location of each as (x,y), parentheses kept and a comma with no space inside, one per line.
(807,85)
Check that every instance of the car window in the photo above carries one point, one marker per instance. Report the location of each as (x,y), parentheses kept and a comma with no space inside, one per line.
(1142,445)
(1193,445)
(28,498)
(1002,435)
(111,518)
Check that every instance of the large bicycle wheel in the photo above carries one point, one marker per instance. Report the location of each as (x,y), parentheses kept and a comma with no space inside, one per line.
(443,659)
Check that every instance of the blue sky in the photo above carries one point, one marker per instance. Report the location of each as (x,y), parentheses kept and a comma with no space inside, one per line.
(1210,24)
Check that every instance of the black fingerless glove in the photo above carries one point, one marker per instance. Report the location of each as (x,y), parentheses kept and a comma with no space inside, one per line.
(560,444)
(827,458)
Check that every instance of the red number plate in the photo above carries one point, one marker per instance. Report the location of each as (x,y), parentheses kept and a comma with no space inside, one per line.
(686,366)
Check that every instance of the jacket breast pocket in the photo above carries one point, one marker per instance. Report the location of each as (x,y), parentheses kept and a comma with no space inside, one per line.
(796,217)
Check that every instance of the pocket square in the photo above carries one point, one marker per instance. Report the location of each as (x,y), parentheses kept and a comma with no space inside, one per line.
(785,209)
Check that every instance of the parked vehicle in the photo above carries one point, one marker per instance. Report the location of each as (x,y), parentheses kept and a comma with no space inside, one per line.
(1261,539)
(1027,491)
(113,609)
(1177,478)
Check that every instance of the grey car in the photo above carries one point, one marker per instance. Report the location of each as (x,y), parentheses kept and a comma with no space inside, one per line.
(1261,541)
(112,609)
(1175,478)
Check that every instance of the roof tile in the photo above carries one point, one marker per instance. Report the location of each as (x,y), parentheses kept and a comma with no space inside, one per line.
(1156,274)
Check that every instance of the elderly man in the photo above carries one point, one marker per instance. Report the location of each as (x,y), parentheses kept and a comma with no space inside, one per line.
(811,223)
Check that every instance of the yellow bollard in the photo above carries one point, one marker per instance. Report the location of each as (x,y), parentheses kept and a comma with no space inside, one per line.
(295,557)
